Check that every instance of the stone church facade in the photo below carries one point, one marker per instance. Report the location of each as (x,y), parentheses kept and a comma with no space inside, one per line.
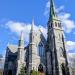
(48,56)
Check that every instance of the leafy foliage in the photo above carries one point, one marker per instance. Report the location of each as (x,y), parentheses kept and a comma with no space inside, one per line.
(34,72)
(23,70)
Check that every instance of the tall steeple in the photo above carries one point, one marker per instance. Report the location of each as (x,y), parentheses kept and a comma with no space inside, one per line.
(53,21)
(52,11)
(32,31)
(57,63)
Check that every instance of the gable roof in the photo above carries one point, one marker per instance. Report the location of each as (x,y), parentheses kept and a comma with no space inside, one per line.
(12,48)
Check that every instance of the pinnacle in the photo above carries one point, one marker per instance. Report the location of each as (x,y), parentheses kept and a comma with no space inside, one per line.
(32,27)
(22,36)
(52,9)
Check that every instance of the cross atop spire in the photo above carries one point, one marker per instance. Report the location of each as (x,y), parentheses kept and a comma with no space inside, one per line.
(52,10)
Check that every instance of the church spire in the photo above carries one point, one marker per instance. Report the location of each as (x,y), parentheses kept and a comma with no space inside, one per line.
(52,10)
(22,36)
(21,40)
(32,31)
(32,27)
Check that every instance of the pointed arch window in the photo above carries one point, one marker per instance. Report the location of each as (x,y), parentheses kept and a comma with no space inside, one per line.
(61,52)
(40,68)
(59,25)
(41,50)
(56,24)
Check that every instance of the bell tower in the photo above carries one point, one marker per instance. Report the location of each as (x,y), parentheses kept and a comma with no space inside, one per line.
(57,63)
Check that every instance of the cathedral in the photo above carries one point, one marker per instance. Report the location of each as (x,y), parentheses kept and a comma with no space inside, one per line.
(44,55)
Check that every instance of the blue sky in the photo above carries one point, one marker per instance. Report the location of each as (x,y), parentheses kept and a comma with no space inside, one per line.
(18,14)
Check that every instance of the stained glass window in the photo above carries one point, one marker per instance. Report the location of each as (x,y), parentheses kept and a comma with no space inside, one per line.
(41,51)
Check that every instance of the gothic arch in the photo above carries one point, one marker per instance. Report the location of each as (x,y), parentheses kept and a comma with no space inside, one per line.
(56,24)
(42,68)
(59,25)
(41,49)
(61,52)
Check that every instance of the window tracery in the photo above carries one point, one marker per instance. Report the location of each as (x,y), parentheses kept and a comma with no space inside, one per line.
(61,52)
(41,50)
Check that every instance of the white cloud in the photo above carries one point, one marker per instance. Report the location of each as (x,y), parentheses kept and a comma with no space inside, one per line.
(71,56)
(17,27)
(67,23)
(57,10)
(48,4)
(46,13)
(47,8)
(71,59)
(70,45)
(60,9)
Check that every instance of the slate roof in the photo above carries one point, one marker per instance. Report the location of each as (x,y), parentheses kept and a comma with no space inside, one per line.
(12,48)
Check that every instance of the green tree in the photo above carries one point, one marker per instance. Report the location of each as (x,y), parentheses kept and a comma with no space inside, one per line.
(34,72)
(22,70)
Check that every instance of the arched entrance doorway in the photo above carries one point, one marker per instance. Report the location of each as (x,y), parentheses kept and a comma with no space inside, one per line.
(40,68)
(63,69)
(9,72)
